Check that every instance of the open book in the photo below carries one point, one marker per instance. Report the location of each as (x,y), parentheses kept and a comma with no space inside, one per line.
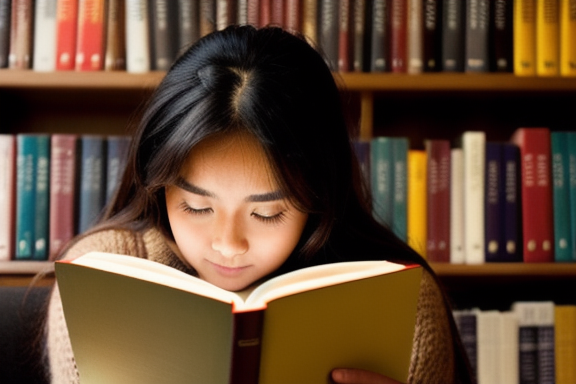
(133,320)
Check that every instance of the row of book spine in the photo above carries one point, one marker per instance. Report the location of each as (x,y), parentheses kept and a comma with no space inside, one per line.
(532,343)
(527,37)
(53,187)
(471,200)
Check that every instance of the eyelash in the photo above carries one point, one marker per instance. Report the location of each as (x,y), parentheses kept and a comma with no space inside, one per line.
(275,219)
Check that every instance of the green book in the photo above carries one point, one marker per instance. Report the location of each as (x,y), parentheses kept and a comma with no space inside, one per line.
(132,320)
(563,250)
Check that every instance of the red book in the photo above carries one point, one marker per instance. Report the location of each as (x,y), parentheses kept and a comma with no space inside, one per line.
(91,33)
(62,191)
(345,50)
(7,195)
(253,12)
(536,192)
(66,32)
(265,12)
(21,32)
(293,17)
(398,36)
(438,200)
(277,13)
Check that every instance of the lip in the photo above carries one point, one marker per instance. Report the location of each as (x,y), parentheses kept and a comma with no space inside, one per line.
(228,271)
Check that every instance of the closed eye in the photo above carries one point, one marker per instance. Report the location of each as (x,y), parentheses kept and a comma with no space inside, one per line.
(274,219)
(195,211)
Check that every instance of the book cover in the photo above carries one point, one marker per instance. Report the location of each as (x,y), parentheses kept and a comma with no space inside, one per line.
(494,211)
(7,195)
(44,50)
(137,36)
(163,16)
(21,34)
(188,23)
(398,36)
(208,16)
(477,29)
(565,346)
(524,27)
(328,32)
(92,191)
(457,206)
(117,155)
(66,34)
(466,323)
(563,247)
(400,146)
(42,204)
(432,35)
(512,240)
(438,200)
(345,36)
(361,36)
(488,346)
(242,10)
(509,347)
(5,16)
(414,37)
(501,36)
(572,184)
(453,35)
(547,38)
(264,12)
(568,37)
(63,191)
(527,341)
(416,210)
(310,21)
(380,36)
(382,179)
(293,17)
(536,192)
(225,13)
(136,320)
(277,12)
(115,47)
(546,342)
(474,149)
(90,35)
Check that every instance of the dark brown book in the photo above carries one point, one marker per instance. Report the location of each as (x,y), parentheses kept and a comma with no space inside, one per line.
(207,17)
(163,33)
(5,15)
(432,35)
(21,33)
(188,23)
(501,34)
(380,46)
(115,53)
(398,35)
(345,36)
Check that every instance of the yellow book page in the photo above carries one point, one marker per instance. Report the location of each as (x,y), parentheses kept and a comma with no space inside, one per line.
(524,37)
(417,200)
(547,38)
(568,37)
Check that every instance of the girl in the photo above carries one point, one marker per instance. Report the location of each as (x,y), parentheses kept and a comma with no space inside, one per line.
(242,168)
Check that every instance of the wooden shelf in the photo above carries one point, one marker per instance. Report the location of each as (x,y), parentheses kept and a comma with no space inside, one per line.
(507,270)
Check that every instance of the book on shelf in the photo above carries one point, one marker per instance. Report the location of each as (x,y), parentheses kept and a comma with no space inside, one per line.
(21,34)
(512,240)
(5,15)
(361,36)
(432,35)
(565,343)
(571,137)
(328,24)
(112,302)
(398,30)
(477,36)
(536,192)
(567,38)
(117,147)
(66,33)
(7,195)
(226,13)
(380,36)
(494,210)
(345,36)
(44,51)
(547,38)
(92,187)
(115,47)
(524,27)
(501,36)
(414,37)
(453,33)
(207,23)
(188,23)
(137,36)
(466,324)
(416,196)
(293,17)
(163,33)
(90,37)
(457,255)
(309,20)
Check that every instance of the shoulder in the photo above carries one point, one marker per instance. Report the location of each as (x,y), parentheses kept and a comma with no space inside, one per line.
(121,241)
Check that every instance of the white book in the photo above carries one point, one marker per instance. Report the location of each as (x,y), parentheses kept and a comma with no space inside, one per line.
(474,148)
(508,348)
(7,197)
(137,36)
(488,331)
(45,33)
(457,206)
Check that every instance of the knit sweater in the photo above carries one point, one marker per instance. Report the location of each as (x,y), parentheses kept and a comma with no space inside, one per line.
(432,352)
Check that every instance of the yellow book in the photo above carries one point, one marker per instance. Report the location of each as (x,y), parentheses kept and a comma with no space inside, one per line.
(547,38)
(568,37)
(565,343)
(524,37)
(417,201)
(133,320)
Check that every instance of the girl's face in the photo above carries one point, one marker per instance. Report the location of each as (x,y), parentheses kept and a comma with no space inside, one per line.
(229,219)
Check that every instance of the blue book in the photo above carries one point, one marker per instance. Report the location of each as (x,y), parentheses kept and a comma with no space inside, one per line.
(494,203)
(563,249)
(92,192)
(117,154)
(362,151)
(382,179)
(512,239)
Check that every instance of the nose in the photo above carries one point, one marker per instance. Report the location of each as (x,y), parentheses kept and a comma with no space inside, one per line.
(229,238)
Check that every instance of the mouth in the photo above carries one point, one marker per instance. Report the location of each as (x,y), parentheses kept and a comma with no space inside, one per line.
(227,271)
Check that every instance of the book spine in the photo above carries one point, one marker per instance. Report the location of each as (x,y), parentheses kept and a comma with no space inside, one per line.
(380,32)
(508,348)
(453,35)
(561,197)
(382,180)
(501,36)
(42,205)
(137,36)
(115,50)
(474,147)
(489,359)
(438,195)
(360,44)
(5,15)
(45,36)
(207,17)
(293,20)
(163,34)
(432,36)
(527,341)
(414,37)
(416,232)
(457,206)
(242,11)
(467,324)
(345,47)
(545,334)
(277,13)
(92,182)
(565,343)
(493,204)
(247,347)
(7,195)
(310,21)
(547,38)
(524,37)
(117,152)
(90,39)
(21,34)
(25,195)
(536,191)
(572,186)
(568,37)
(328,29)
(63,176)
(66,33)
(188,23)
(398,36)
(512,203)
(477,27)
(265,12)
(400,194)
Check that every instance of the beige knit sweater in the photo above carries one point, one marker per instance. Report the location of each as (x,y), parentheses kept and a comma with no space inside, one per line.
(432,353)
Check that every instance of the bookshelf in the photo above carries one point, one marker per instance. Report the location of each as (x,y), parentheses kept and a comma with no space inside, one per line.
(419,106)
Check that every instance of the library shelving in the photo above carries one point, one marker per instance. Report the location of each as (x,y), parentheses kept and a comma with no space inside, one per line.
(417,106)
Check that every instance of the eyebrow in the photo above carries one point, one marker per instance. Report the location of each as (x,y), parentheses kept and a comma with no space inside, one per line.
(257,198)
